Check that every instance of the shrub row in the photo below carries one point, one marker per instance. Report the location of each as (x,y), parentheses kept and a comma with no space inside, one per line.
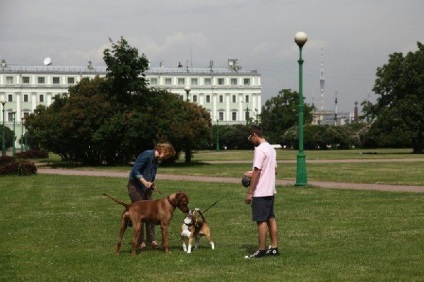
(33,154)
(13,166)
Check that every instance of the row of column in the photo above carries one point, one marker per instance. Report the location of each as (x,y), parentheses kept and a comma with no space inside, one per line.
(16,105)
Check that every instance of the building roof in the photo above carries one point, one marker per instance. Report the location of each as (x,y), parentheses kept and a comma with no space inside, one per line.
(103,69)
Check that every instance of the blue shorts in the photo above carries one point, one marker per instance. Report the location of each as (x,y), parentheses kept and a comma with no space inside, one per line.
(262,208)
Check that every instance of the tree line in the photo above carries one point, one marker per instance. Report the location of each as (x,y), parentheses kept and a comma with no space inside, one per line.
(111,120)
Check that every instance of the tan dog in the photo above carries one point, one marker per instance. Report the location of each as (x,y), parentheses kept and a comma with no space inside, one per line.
(193,228)
(157,212)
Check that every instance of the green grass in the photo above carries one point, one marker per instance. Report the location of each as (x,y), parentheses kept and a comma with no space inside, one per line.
(368,168)
(359,154)
(402,173)
(61,228)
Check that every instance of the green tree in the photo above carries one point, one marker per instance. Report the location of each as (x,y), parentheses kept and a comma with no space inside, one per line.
(111,120)
(324,136)
(68,125)
(281,112)
(234,136)
(8,134)
(400,86)
(125,76)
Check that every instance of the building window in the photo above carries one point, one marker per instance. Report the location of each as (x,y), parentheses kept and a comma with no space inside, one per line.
(10,98)
(247,99)
(221,98)
(26,98)
(221,115)
(247,116)
(194,81)
(195,98)
(246,81)
(9,79)
(10,116)
(41,98)
(181,81)
(25,79)
(168,81)
(208,98)
(234,81)
(220,81)
(56,80)
(41,80)
(71,80)
(154,81)
(208,81)
(233,116)
(26,114)
(234,98)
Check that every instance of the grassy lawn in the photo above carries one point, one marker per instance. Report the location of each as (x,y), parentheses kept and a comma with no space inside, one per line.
(61,228)
(382,166)
(359,154)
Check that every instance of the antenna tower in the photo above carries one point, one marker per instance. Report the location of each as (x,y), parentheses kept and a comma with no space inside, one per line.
(335,110)
(322,79)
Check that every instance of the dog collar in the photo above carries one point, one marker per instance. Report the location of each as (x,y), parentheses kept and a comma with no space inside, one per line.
(169,200)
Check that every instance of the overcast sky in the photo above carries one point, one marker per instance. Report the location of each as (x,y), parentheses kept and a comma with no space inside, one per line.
(356,37)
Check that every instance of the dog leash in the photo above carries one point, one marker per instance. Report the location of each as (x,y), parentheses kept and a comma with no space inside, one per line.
(156,189)
(214,203)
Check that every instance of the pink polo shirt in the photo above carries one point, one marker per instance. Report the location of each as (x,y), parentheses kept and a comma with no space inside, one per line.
(265,158)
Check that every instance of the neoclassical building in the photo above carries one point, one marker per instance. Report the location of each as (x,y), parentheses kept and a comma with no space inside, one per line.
(231,95)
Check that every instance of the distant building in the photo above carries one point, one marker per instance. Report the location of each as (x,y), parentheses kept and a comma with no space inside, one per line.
(331,118)
(231,95)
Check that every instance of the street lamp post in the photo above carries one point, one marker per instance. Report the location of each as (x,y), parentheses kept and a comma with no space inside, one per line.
(3,147)
(14,132)
(217,135)
(26,141)
(187,89)
(301,178)
(22,134)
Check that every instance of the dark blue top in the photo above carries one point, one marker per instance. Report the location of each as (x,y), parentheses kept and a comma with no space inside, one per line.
(144,166)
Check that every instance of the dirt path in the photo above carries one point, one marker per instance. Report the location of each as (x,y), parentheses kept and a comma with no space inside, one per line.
(336,185)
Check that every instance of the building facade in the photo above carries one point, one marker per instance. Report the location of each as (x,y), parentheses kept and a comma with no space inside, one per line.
(324,117)
(231,95)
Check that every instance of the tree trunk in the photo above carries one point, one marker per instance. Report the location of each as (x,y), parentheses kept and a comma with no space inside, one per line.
(188,156)
(417,144)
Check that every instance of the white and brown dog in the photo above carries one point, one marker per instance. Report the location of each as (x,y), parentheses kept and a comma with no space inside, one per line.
(193,228)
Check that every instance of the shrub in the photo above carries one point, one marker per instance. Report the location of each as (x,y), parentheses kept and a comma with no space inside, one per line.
(12,166)
(33,154)
(5,160)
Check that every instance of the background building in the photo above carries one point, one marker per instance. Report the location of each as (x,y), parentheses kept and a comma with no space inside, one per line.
(231,95)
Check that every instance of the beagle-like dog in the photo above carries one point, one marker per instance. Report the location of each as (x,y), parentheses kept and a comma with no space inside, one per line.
(194,228)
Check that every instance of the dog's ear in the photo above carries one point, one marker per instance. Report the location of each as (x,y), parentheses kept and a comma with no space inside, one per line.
(180,196)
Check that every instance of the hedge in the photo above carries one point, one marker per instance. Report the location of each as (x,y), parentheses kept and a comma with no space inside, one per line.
(14,166)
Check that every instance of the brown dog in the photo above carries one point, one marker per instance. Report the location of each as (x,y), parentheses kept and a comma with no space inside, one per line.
(193,228)
(157,212)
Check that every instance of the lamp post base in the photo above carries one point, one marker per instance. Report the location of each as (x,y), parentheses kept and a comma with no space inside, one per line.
(301,179)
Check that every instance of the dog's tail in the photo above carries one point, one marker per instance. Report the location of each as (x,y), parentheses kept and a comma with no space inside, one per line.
(116,200)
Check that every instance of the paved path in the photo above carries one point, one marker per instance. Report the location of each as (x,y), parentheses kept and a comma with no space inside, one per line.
(337,185)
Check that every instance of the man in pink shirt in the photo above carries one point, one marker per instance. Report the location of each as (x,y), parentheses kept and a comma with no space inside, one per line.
(260,194)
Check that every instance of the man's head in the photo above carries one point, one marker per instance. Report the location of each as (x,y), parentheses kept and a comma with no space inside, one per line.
(164,151)
(255,135)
